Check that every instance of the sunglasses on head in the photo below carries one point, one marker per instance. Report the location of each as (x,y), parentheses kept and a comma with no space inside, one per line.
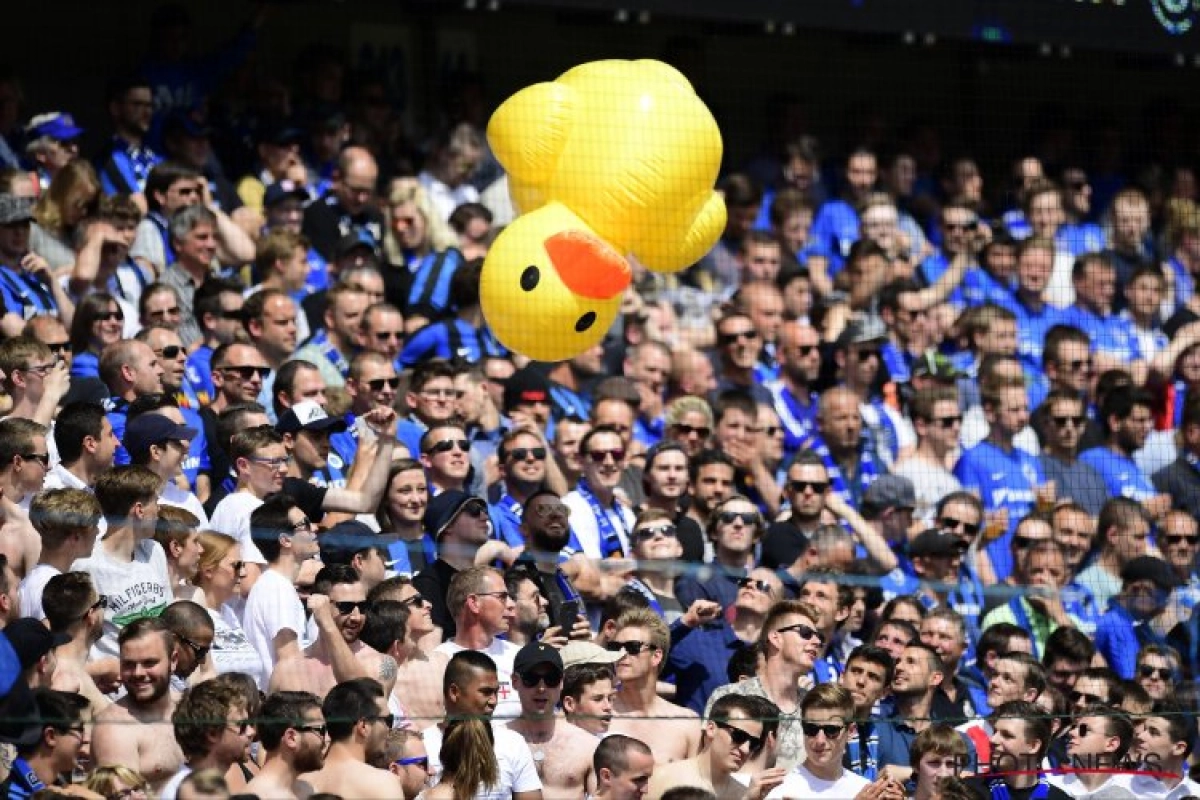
(522,453)
(532,679)
(811,729)
(377,384)
(446,445)
(646,534)
(740,737)
(348,606)
(632,647)
(750,518)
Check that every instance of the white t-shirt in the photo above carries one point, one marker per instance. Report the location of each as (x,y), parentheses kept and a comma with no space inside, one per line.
(587,530)
(517,770)
(31,588)
(503,652)
(1117,787)
(170,789)
(232,518)
(273,606)
(59,477)
(231,648)
(172,495)
(135,589)
(802,783)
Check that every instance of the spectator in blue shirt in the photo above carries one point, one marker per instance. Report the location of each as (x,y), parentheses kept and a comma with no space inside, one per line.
(1128,419)
(1114,341)
(836,227)
(1035,316)
(1078,234)
(1005,477)
(918,676)
(1130,622)
(127,162)
(26,286)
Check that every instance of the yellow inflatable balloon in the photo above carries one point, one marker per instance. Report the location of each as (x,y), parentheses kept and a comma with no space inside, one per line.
(612,159)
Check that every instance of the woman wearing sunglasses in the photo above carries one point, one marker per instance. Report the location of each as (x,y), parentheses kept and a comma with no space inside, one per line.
(218,577)
(98,322)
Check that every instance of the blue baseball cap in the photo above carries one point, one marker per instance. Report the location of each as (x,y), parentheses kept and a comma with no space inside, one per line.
(56,124)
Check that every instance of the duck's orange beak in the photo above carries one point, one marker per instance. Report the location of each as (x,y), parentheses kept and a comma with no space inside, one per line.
(587,265)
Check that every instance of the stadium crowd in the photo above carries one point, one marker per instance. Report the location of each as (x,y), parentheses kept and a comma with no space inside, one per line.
(893,494)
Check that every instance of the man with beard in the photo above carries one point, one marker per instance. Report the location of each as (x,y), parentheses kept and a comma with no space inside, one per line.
(734,732)
(665,483)
(787,543)
(332,346)
(357,719)
(570,389)
(212,727)
(711,475)
(76,610)
(799,366)
(292,732)
(522,456)
(545,532)
(459,524)
(337,655)
(483,610)
(136,730)
(1128,418)
(919,675)
(562,753)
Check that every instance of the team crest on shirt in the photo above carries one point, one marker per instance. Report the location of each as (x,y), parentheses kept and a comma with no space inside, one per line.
(335,461)
(1176,16)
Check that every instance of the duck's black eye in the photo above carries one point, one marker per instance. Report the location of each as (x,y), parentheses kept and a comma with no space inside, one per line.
(585,322)
(530,278)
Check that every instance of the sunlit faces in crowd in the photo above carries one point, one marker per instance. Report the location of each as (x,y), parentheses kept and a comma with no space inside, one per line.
(446,454)
(655,537)
(604,455)
(732,734)
(1157,671)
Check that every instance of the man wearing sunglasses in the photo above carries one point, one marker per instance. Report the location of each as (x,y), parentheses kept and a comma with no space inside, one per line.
(358,721)
(75,609)
(1097,747)
(600,520)
(1064,419)
(371,383)
(790,643)
(292,733)
(338,603)
(827,720)
(522,456)
(734,733)
(213,729)
(446,455)
(562,753)
(34,378)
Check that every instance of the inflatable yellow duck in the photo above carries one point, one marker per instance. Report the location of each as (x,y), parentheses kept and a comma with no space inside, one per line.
(613,159)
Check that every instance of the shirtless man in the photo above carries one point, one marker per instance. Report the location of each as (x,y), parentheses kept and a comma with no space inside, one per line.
(73,607)
(24,461)
(588,693)
(562,753)
(292,731)
(418,687)
(136,731)
(358,722)
(673,732)
(325,661)
(733,734)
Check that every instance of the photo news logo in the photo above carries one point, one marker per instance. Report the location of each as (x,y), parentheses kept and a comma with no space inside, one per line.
(1002,765)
